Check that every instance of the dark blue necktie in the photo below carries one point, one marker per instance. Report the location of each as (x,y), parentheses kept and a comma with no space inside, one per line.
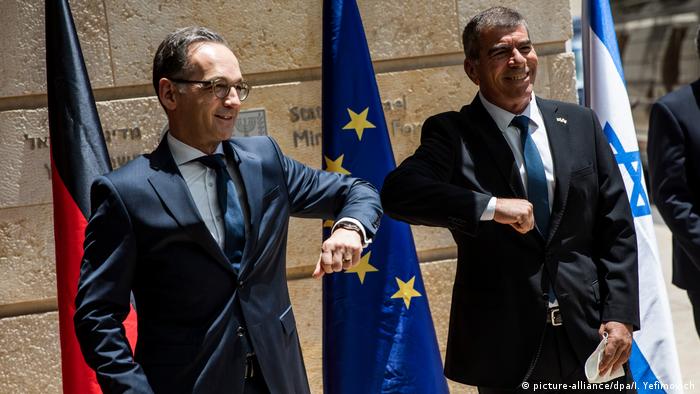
(536,179)
(234,227)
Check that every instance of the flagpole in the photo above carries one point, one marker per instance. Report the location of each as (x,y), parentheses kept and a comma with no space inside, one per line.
(586,42)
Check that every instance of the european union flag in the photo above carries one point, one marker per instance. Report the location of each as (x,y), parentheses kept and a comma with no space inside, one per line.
(378,334)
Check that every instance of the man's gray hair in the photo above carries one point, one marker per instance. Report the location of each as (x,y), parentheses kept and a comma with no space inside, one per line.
(495,17)
(171,60)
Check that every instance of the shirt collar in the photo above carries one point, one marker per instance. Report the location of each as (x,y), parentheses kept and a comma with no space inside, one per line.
(503,117)
(183,153)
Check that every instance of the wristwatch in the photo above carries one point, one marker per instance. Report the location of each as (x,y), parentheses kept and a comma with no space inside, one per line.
(349,226)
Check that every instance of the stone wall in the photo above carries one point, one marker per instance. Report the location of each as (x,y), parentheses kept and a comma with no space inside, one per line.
(416,48)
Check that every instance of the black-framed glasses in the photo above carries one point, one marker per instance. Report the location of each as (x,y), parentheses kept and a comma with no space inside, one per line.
(220,87)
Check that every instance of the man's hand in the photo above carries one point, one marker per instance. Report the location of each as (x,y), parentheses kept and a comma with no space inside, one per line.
(340,251)
(516,212)
(619,346)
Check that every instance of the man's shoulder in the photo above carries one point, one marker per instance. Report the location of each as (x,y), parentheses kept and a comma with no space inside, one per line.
(135,169)
(447,118)
(252,142)
(547,104)
(681,96)
(446,115)
(261,148)
(577,116)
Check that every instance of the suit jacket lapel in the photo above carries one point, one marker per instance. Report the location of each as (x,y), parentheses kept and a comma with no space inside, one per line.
(173,192)
(560,146)
(250,171)
(479,119)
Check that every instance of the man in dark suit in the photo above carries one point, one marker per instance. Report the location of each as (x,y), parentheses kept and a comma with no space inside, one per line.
(674,167)
(534,199)
(197,231)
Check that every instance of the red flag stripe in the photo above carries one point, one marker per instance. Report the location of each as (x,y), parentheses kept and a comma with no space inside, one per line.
(78,155)
(69,233)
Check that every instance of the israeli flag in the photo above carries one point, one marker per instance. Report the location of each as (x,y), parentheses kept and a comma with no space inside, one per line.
(654,361)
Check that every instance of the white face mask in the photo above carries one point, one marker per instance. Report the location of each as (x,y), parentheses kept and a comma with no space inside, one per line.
(593,363)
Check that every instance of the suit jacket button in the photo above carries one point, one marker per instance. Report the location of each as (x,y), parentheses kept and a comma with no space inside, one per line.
(240,331)
(240,283)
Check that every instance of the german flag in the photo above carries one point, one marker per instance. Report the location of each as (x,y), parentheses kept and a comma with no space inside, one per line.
(78,155)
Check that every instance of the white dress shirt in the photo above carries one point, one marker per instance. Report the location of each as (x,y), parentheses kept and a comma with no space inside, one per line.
(201,182)
(502,118)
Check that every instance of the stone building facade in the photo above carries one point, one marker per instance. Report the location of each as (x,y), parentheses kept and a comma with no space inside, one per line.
(418,57)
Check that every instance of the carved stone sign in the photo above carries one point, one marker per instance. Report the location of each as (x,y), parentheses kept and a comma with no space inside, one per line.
(251,122)
(306,130)
(135,126)
(112,138)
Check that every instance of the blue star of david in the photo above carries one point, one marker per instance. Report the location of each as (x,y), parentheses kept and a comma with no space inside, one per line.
(639,202)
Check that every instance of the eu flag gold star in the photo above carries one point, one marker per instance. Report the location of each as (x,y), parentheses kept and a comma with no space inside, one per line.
(336,165)
(406,291)
(358,122)
(362,268)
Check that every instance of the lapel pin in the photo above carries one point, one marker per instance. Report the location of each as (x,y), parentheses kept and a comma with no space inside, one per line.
(561,120)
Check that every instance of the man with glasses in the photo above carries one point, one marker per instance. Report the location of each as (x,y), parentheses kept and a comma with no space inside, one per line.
(197,231)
